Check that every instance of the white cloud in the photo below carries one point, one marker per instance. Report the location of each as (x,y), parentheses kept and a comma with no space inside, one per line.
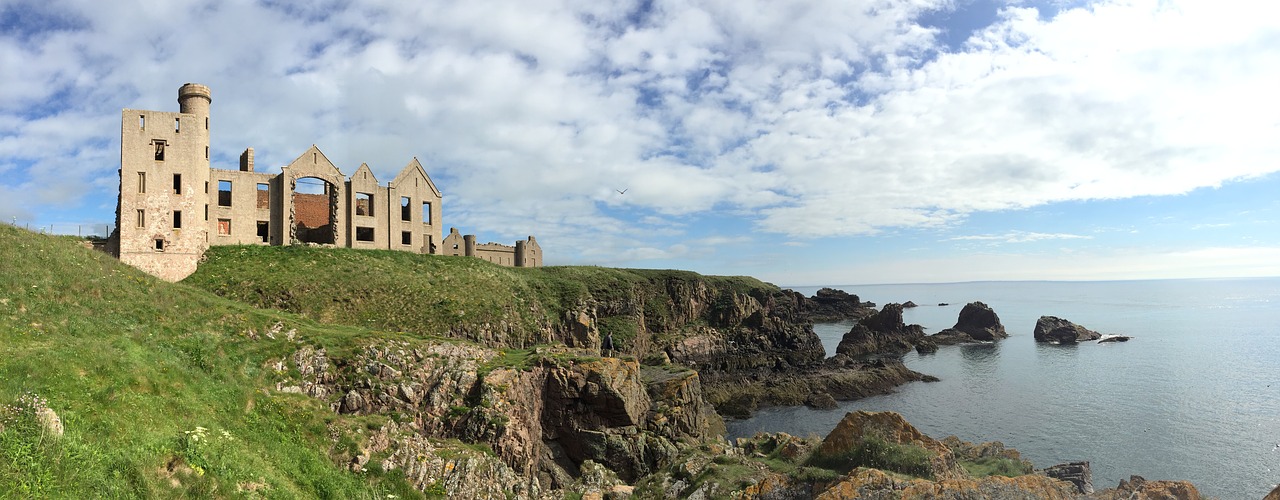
(808,118)
(1020,237)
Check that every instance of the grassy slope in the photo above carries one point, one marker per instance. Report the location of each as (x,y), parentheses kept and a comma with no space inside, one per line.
(133,366)
(429,295)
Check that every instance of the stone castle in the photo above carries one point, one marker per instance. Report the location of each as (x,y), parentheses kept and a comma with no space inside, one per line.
(173,205)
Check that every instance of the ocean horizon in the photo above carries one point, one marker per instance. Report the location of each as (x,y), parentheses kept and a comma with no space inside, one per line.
(1193,396)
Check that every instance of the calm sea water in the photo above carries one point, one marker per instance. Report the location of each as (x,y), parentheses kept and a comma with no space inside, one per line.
(1195,395)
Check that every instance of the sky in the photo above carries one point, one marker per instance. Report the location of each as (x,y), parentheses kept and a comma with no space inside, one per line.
(812,142)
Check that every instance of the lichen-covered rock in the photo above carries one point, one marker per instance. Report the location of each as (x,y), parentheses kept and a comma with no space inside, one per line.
(1137,488)
(50,423)
(977,322)
(856,427)
(876,484)
(1060,331)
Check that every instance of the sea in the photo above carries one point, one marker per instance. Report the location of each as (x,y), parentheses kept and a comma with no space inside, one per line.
(1195,395)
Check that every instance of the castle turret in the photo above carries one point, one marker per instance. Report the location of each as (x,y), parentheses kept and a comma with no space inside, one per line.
(194,99)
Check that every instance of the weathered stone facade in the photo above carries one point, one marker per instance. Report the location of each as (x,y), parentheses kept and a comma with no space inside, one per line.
(173,205)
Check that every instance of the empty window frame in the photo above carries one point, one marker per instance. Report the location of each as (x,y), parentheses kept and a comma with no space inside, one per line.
(224,193)
(159,245)
(224,227)
(177,124)
(142,182)
(426,212)
(406,237)
(405,213)
(177,219)
(364,234)
(364,204)
(264,230)
(142,122)
(177,183)
(264,195)
(159,149)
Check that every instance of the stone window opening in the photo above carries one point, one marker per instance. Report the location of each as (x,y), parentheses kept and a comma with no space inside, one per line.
(405,215)
(177,219)
(177,125)
(224,227)
(224,193)
(142,182)
(426,212)
(159,149)
(206,152)
(364,234)
(406,237)
(159,245)
(314,214)
(264,230)
(364,204)
(142,122)
(206,123)
(206,211)
(264,195)
(142,217)
(177,183)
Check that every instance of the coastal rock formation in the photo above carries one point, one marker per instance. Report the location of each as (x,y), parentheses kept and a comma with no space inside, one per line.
(1274,495)
(829,305)
(876,484)
(857,428)
(881,334)
(1077,473)
(1114,338)
(977,322)
(1056,330)
(1137,488)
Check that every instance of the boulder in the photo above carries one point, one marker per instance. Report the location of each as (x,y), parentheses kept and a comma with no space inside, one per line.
(821,401)
(881,334)
(1077,473)
(1056,330)
(1114,338)
(853,432)
(909,304)
(977,322)
(49,421)
(1138,488)
(1274,495)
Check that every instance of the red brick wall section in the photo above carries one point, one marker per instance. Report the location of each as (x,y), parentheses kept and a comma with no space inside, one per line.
(312,210)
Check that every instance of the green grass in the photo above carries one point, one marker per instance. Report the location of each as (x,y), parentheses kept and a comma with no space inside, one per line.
(879,453)
(996,466)
(456,297)
(135,367)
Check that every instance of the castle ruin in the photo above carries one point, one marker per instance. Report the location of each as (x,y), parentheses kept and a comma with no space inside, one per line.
(173,205)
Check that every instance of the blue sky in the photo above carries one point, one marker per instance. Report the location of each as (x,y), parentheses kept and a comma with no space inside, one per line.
(803,142)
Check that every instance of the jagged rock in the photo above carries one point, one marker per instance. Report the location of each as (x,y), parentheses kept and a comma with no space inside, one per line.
(977,322)
(830,305)
(909,304)
(881,334)
(1060,331)
(1114,338)
(353,402)
(1274,495)
(1077,473)
(856,427)
(1137,488)
(926,345)
(821,401)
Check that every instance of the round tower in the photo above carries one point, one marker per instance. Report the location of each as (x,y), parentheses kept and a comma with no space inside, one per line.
(194,99)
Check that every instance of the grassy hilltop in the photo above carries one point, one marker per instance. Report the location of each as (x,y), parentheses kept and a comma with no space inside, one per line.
(165,389)
(159,386)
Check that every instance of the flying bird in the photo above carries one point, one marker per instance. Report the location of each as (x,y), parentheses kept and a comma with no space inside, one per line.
(624,191)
